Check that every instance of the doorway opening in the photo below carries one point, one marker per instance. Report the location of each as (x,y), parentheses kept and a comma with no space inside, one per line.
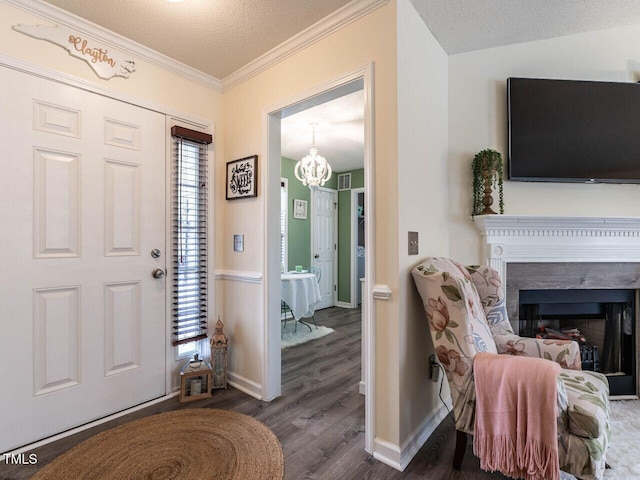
(358,81)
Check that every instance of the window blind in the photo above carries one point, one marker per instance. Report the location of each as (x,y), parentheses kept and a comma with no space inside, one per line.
(189,235)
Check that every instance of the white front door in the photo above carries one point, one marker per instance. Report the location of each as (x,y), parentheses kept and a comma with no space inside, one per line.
(324,242)
(82,186)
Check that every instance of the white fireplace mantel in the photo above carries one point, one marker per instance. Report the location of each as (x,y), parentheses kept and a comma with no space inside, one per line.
(514,238)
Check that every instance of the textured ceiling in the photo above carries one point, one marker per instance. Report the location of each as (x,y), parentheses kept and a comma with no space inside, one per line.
(465,25)
(214,36)
(218,37)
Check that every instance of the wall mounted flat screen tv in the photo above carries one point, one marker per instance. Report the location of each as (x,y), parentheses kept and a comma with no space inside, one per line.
(573,131)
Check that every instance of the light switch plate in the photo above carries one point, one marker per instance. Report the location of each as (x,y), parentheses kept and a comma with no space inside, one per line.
(413,243)
(238,243)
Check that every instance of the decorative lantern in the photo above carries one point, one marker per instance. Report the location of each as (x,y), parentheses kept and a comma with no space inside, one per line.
(219,343)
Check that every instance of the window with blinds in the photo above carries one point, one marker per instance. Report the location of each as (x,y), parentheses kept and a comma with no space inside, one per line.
(189,235)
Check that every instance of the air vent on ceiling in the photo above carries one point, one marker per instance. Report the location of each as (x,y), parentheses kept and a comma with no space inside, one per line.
(344,181)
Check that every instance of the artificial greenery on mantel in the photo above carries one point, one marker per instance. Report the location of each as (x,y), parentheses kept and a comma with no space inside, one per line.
(487,175)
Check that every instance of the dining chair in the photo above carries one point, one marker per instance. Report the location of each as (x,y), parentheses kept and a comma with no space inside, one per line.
(285,310)
(316,271)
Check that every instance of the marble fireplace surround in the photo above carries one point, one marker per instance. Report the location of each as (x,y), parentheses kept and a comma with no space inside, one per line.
(532,252)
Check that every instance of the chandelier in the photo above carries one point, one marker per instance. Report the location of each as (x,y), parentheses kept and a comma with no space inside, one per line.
(313,170)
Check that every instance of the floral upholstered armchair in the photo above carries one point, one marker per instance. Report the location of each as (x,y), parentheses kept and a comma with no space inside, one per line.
(466,313)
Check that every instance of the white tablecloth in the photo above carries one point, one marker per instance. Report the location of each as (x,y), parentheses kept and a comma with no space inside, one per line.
(301,292)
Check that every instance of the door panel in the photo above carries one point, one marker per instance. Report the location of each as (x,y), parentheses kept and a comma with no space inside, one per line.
(82,182)
(56,204)
(56,352)
(122,327)
(122,208)
(324,248)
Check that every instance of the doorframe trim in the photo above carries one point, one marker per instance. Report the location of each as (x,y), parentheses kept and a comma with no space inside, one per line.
(271,368)
(334,215)
(354,280)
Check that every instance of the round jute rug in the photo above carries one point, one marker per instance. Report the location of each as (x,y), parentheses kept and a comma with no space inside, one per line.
(190,444)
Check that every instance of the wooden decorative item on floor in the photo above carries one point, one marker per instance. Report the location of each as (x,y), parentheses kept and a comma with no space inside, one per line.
(219,343)
(487,175)
(195,380)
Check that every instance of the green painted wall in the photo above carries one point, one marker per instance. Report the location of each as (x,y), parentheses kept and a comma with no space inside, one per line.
(344,235)
(299,237)
(332,182)
(300,230)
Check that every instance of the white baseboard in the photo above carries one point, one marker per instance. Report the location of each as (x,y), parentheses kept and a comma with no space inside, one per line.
(387,453)
(421,434)
(399,457)
(344,305)
(245,385)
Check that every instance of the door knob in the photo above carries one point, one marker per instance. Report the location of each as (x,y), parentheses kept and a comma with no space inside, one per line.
(158,273)
(316,256)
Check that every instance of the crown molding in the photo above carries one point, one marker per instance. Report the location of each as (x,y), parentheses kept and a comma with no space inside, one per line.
(319,30)
(56,15)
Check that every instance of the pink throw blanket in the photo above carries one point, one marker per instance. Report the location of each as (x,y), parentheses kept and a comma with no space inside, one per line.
(516,430)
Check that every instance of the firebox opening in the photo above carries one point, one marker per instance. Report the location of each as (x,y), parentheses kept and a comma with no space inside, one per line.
(601,321)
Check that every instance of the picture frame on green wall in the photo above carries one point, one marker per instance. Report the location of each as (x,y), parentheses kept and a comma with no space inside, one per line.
(299,209)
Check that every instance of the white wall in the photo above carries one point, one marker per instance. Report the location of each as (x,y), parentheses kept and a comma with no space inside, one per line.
(478,120)
(422,202)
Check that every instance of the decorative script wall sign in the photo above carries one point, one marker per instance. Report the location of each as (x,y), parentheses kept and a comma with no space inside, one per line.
(242,178)
(106,63)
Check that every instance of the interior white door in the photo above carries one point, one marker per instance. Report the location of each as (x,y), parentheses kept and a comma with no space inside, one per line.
(82,186)
(324,246)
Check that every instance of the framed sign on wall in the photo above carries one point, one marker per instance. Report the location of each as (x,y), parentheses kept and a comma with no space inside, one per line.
(242,178)
(300,209)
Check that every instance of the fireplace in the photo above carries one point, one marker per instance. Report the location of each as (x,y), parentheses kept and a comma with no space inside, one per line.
(579,273)
(601,321)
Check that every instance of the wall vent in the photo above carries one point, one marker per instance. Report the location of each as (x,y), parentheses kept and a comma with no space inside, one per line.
(344,181)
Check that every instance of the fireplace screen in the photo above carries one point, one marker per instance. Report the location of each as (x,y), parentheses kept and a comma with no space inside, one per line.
(601,321)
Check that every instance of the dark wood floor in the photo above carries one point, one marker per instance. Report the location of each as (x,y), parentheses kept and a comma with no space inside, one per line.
(319,419)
